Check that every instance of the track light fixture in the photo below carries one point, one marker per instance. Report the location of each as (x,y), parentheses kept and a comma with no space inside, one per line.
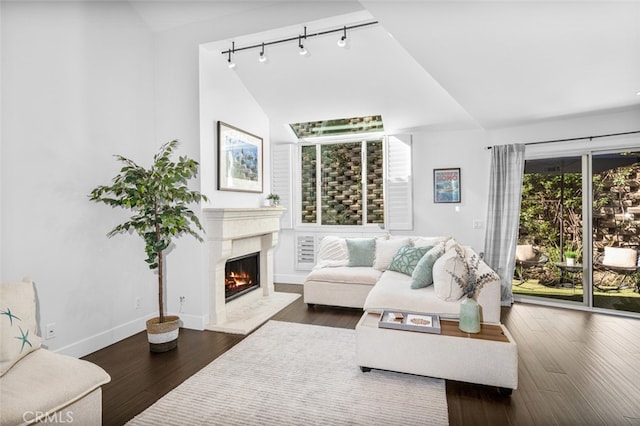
(343,40)
(262,58)
(302,51)
(299,38)
(230,63)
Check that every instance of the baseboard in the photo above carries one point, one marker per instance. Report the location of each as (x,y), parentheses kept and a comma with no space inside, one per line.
(193,322)
(105,338)
(289,278)
(113,335)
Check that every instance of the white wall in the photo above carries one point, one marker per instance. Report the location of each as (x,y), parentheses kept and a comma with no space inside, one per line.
(77,88)
(617,121)
(463,149)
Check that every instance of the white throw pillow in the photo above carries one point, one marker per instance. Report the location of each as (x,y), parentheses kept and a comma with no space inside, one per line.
(18,325)
(525,252)
(332,252)
(444,285)
(385,250)
(427,241)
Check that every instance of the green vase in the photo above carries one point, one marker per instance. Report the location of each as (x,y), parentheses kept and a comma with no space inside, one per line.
(469,316)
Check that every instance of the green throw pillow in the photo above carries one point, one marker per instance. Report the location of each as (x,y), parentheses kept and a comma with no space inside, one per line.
(361,251)
(406,259)
(422,275)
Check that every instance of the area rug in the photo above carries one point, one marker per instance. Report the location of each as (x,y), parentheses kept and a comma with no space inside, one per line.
(297,374)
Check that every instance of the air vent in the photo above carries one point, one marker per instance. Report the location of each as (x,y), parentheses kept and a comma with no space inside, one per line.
(305,252)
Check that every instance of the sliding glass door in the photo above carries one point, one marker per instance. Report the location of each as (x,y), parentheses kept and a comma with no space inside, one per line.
(579,236)
(549,254)
(616,231)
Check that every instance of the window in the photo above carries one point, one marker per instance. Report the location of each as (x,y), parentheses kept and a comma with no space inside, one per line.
(344,172)
(349,179)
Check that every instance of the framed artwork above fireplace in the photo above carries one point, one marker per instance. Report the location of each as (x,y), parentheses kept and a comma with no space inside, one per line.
(239,160)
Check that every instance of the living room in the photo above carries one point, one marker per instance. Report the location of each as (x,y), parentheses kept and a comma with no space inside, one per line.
(83,81)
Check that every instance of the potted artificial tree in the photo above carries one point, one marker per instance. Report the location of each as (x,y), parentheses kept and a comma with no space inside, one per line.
(159,199)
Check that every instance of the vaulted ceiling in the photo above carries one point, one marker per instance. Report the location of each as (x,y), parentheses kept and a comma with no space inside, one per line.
(433,64)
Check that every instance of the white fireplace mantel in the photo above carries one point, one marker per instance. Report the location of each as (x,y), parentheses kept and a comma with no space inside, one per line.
(233,223)
(234,232)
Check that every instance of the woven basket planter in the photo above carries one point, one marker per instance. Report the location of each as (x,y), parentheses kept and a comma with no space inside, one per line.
(163,336)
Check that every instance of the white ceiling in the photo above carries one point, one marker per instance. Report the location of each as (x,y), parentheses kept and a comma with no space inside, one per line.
(447,65)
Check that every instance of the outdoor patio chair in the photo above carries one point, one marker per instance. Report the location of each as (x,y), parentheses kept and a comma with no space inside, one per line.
(621,261)
(527,258)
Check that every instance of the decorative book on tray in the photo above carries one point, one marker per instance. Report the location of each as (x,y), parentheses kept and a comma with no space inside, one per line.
(413,321)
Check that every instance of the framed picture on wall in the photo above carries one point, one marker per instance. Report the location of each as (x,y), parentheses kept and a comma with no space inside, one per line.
(239,159)
(446,185)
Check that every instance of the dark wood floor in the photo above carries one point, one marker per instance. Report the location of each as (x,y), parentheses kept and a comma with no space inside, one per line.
(575,368)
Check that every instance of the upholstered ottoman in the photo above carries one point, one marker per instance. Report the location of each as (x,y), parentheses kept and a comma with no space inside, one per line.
(488,358)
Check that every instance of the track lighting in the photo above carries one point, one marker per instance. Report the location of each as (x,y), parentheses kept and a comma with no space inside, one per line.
(343,40)
(300,37)
(262,58)
(230,63)
(302,51)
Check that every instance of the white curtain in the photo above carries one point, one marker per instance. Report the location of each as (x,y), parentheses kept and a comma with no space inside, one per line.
(503,216)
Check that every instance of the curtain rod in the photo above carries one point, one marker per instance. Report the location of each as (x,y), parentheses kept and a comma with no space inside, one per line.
(579,139)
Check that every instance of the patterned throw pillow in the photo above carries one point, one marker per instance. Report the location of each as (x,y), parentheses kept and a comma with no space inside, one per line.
(422,275)
(18,324)
(386,249)
(406,259)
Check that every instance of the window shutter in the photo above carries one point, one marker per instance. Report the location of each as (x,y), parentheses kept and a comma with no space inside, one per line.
(398,198)
(281,178)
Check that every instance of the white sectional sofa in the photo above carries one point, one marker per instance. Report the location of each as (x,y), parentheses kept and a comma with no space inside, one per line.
(376,287)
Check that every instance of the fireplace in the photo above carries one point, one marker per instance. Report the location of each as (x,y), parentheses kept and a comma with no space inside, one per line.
(233,233)
(242,275)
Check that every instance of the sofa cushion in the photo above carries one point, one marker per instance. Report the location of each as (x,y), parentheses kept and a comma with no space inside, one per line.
(346,274)
(46,382)
(361,251)
(385,250)
(18,325)
(422,275)
(406,259)
(446,287)
(393,291)
(332,252)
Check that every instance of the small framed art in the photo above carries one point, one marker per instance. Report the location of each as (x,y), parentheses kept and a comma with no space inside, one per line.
(446,185)
(239,160)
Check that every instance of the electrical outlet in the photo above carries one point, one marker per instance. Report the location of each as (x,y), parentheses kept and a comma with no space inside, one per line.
(50,331)
(478,224)
(136,303)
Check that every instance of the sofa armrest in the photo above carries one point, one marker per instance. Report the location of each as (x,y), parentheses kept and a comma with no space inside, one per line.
(45,382)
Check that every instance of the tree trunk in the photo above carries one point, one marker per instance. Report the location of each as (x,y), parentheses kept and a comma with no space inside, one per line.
(160,288)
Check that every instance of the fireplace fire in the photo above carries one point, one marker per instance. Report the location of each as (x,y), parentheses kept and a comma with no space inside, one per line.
(241,275)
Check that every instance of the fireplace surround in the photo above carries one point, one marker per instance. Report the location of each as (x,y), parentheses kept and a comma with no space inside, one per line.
(233,233)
